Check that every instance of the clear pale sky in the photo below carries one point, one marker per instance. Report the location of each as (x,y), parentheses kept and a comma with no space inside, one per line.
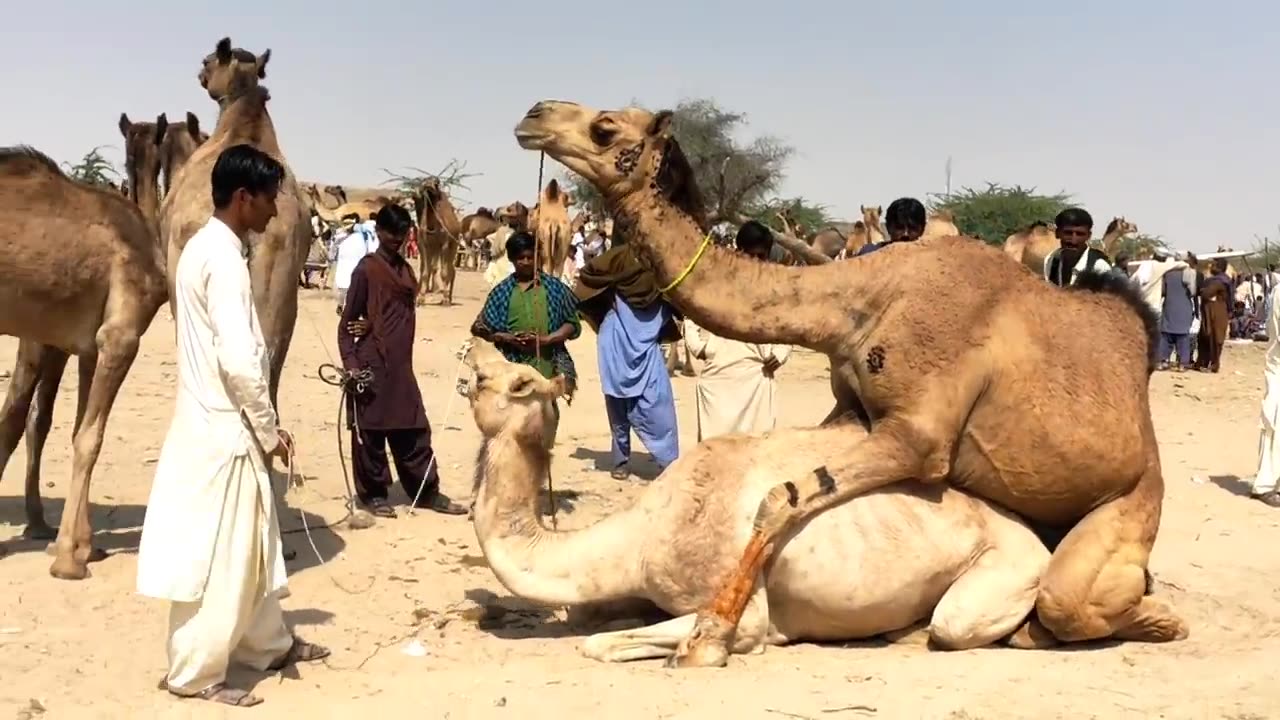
(1165,113)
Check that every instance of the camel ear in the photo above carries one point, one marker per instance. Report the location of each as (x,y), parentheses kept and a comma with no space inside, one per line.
(661,124)
(223,51)
(125,125)
(559,387)
(521,386)
(262,62)
(162,126)
(193,125)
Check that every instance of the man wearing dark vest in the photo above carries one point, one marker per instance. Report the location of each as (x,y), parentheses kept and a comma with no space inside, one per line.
(1073,227)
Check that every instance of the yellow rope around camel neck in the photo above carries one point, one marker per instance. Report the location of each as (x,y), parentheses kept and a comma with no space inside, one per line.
(702,249)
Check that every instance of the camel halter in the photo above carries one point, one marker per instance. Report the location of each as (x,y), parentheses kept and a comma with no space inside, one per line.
(702,249)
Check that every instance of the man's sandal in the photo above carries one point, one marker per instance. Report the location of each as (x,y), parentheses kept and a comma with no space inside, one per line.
(299,651)
(223,695)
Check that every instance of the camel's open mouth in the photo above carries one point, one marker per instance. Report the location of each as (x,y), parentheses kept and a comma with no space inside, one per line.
(531,139)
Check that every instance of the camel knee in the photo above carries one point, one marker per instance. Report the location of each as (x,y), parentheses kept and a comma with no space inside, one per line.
(1075,612)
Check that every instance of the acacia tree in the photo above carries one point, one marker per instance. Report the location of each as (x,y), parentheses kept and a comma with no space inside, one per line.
(737,179)
(94,169)
(453,177)
(998,211)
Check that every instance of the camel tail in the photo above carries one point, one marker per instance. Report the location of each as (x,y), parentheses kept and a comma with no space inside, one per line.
(1112,284)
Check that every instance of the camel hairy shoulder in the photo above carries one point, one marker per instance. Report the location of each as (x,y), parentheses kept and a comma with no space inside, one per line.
(881,563)
(83,275)
(967,368)
(230,76)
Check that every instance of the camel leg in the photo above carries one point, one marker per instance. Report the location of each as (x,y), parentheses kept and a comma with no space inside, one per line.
(662,640)
(1095,586)
(39,422)
(991,599)
(29,369)
(448,273)
(117,347)
(895,450)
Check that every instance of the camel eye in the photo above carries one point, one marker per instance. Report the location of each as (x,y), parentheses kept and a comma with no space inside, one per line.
(602,135)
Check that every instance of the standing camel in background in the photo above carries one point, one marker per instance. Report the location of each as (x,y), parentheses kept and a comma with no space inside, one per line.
(439,233)
(94,297)
(973,384)
(143,158)
(550,222)
(230,76)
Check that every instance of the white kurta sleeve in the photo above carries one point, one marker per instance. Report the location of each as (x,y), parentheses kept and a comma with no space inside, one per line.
(696,340)
(781,353)
(239,353)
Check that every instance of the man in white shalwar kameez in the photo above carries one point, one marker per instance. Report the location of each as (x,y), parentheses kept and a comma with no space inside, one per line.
(736,390)
(210,541)
(1264,482)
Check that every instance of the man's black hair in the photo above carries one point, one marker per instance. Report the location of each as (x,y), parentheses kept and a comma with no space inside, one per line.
(520,242)
(754,234)
(394,219)
(244,167)
(1074,217)
(905,214)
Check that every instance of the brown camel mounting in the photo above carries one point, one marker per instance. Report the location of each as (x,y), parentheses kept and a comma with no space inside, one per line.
(230,76)
(180,141)
(93,297)
(439,233)
(476,229)
(967,368)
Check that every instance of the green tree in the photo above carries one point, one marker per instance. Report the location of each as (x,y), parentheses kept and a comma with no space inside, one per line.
(94,169)
(798,211)
(735,178)
(1140,246)
(998,211)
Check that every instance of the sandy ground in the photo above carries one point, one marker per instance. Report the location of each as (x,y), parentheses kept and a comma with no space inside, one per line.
(96,649)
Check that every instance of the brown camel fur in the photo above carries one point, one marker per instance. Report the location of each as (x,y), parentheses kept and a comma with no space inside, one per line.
(882,563)
(940,224)
(476,229)
(946,384)
(550,221)
(439,232)
(1116,230)
(230,76)
(84,276)
(515,216)
(180,141)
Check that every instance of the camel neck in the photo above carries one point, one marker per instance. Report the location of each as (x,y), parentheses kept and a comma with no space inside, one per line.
(535,562)
(741,298)
(146,192)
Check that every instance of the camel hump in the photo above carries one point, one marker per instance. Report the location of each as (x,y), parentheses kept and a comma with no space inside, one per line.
(1111,283)
(25,160)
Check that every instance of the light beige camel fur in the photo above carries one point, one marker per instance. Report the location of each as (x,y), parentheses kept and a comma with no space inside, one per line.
(230,76)
(84,275)
(142,161)
(881,563)
(945,373)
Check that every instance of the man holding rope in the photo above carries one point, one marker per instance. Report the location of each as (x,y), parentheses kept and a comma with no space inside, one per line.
(388,410)
(210,541)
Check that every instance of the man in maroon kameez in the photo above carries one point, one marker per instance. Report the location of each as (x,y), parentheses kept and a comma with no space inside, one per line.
(389,412)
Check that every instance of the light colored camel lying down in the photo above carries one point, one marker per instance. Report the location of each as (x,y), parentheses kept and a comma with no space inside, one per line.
(880,563)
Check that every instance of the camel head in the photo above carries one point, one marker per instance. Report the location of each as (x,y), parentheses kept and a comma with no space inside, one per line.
(871,215)
(515,215)
(622,152)
(142,147)
(227,70)
(1121,227)
(510,398)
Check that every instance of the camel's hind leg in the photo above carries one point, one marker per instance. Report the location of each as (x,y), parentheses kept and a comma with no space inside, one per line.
(448,272)
(117,347)
(1095,585)
(991,599)
(897,449)
(36,376)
